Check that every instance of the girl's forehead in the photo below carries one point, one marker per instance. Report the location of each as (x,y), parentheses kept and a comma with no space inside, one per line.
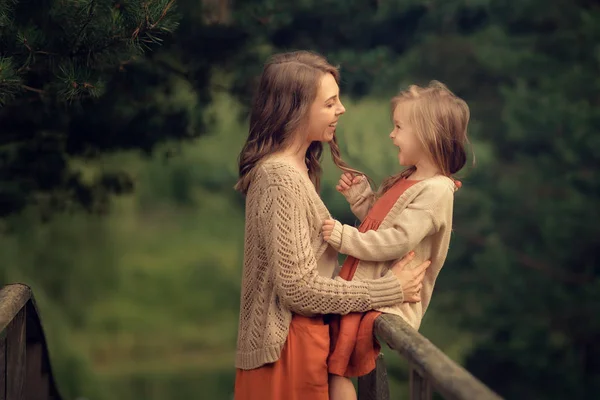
(402,109)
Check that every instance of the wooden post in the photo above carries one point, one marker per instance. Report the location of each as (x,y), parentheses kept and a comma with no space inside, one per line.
(25,370)
(3,365)
(38,384)
(420,389)
(427,361)
(15,357)
(374,386)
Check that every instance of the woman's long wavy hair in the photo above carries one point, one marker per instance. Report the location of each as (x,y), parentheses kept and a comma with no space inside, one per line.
(288,86)
(439,118)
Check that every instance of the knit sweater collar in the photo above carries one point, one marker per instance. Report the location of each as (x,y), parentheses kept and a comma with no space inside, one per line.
(303,178)
(410,194)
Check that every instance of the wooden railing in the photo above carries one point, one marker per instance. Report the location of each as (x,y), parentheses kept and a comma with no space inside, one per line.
(25,372)
(430,369)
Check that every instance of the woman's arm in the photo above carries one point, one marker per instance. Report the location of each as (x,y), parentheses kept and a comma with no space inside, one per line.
(297,281)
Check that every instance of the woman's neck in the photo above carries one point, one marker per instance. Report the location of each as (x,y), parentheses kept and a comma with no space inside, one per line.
(295,154)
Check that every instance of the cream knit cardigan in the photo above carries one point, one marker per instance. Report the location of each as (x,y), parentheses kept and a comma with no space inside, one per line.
(420,220)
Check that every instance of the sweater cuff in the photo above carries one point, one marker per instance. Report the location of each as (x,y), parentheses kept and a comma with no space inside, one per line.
(357,191)
(385,291)
(336,236)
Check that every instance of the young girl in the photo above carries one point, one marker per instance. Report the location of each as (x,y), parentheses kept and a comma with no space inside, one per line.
(412,210)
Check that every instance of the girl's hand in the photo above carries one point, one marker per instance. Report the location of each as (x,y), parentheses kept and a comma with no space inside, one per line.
(328,225)
(347,180)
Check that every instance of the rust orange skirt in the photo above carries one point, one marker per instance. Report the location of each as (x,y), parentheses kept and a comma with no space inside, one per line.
(301,371)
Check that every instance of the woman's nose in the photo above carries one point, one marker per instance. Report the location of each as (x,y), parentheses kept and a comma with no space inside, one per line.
(341,109)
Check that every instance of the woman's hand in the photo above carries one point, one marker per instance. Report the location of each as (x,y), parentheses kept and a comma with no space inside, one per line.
(411,280)
(347,180)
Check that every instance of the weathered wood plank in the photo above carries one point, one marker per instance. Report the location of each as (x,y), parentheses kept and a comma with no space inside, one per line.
(12,299)
(25,370)
(35,335)
(3,365)
(374,386)
(448,378)
(15,356)
(420,389)
(38,384)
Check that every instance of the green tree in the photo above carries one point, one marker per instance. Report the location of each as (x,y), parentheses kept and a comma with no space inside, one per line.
(523,265)
(56,60)
(535,222)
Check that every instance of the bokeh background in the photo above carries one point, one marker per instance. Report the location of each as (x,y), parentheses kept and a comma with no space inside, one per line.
(118,209)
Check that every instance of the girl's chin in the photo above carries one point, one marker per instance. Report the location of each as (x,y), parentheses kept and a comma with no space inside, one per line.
(403,163)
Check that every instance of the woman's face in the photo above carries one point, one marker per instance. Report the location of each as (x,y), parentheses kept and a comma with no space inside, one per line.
(325,111)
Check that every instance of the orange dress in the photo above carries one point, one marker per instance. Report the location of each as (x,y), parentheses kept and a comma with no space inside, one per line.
(354,349)
(301,371)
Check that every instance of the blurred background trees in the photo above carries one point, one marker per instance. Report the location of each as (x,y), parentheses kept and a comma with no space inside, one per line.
(139,292)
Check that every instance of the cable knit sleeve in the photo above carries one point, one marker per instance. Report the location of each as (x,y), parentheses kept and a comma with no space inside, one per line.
(297,282)
(408,229)
(384,244)
(361,198)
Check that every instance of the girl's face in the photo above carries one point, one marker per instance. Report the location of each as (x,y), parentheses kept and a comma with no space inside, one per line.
(410,151)
(325,111)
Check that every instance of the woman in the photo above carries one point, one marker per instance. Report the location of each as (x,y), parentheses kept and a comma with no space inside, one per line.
(287,285)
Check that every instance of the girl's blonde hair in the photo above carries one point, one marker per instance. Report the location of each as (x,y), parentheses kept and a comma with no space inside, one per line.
(287,88)
(439,119)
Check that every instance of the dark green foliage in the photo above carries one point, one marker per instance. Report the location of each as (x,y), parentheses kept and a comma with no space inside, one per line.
(56,60)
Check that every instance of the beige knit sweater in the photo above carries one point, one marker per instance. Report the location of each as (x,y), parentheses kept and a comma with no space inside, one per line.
(283,243)
(420,220)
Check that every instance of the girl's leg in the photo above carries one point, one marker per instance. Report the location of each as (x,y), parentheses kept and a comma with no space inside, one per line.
(341,388)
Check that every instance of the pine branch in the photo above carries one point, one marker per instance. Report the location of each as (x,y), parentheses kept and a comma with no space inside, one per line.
(6,8)
(90,16)
(29,88)
(141,29)
(94,38)
(163,14)
(10,82)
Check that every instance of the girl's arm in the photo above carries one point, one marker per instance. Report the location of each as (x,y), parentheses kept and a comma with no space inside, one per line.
(410,227)
(292,262)
(361,198)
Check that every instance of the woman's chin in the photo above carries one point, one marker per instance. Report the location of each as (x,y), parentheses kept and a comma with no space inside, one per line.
(328,137)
